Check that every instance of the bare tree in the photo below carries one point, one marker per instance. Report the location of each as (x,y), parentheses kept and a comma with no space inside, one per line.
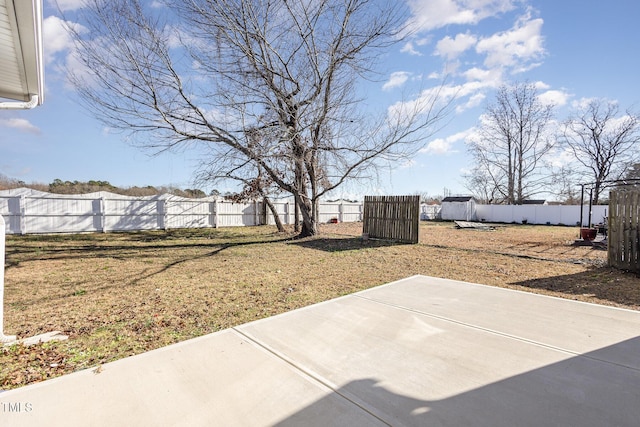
(632,173)
(482,186)
(255,185)
(7,183)
(212,72)
(603,142)
(512,143)
(565,184)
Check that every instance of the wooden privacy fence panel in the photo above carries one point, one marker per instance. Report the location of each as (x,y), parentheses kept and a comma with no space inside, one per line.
(624,230)
(392,217)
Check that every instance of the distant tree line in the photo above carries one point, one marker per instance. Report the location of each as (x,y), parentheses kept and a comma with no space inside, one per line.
(59,186)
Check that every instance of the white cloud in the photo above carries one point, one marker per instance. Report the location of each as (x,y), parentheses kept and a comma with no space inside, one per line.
(473,101)
(467,95)
(411,46)
(79,69)
(67,5)
(489,77)
(582,103)
(396,79)
(442,146)
(511,51)
(437,146)
(408,164)
(178,37)
(539,85)
(436,96)
(452,48)
(56,34)
(22,125)
(560,157)
(614,124)
(410,49)
(427,15)
(516,48)
(554,97)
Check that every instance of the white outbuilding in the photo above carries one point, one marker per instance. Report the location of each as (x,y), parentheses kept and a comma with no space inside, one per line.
(458,208)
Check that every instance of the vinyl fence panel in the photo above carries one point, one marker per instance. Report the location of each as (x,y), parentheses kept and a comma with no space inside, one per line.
(342,211)
(351,212)
(285,210)
(541,214)
(30,211)
(186,213)
(64,215)
(132,214)
(238,214)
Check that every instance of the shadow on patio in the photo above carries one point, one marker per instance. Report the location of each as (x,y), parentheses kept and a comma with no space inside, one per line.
(599,388)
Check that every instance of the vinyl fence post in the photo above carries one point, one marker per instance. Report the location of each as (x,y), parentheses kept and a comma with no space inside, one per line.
(103,215)
(288,212)
(215,213)
(165,214)
(161,214)
(255,213)
(23,214)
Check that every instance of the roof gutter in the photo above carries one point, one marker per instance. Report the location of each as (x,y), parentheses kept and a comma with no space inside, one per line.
(17,105)
(21,48)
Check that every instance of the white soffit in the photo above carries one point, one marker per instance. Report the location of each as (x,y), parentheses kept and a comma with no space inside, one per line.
(21,64)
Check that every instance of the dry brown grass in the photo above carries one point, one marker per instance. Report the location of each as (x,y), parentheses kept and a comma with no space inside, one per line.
(121,294)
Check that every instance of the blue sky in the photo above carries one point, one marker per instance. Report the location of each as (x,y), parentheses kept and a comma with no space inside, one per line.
(571,49)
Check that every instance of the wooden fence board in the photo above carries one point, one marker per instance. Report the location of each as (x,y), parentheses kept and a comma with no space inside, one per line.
(624,230)
(613,226)
(392,218)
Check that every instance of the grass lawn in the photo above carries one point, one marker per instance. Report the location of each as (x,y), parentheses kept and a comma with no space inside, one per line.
(121,294)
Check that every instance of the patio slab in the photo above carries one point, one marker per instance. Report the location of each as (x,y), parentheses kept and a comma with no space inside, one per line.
(420,351)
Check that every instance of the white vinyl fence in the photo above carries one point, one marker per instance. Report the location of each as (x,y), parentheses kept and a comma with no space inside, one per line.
(531,214)
(429,212)
(28,211)
(541,214)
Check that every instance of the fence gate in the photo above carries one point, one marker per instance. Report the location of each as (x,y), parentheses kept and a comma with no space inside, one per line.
(392,217)
(624,230)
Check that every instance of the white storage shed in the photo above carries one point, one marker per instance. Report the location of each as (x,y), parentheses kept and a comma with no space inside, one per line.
(458,208)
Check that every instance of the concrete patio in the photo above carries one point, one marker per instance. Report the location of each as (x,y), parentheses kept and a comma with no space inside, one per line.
(418,352)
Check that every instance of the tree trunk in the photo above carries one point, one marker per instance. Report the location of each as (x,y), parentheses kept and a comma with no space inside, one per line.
(510,177)
(596,192)
(296,216)
(309,223)
(274,212)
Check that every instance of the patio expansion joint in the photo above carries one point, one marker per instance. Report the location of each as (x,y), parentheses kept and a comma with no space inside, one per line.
(308,373)
(495,332)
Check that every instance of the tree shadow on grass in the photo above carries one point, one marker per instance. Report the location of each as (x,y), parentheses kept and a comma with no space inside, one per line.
(343,244)
(604,283)
(142,252)
(147,247)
